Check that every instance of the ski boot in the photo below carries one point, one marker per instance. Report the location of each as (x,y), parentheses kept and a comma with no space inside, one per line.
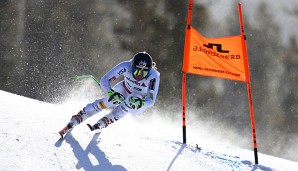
(103,122)
(94,127)
(74,121)
(66,129)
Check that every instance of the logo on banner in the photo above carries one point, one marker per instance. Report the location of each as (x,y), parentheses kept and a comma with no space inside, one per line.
(218,47)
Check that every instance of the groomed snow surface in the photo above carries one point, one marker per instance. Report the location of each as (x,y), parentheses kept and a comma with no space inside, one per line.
(29,141)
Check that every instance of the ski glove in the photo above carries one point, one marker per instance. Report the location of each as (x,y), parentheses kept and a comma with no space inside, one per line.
(115,96)
(136,102)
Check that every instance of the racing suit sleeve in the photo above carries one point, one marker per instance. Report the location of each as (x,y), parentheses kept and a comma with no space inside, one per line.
(153,90)
(113,74)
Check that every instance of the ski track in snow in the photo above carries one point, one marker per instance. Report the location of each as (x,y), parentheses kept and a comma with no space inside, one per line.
(29,141)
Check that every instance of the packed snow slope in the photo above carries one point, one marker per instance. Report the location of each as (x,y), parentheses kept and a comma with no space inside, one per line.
(29,141)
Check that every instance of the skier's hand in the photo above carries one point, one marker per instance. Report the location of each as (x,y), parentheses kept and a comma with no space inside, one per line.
(136,102)
(115,96)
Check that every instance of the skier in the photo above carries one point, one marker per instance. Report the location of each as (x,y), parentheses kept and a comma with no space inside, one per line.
(134,94)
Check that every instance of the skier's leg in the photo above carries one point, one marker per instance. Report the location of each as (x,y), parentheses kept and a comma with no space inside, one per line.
(108,119)
(98,106)
(130,107)
(119,112)
(90,110)
(86,112)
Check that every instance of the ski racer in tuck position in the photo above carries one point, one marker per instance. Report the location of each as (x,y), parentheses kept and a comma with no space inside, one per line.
(134,94)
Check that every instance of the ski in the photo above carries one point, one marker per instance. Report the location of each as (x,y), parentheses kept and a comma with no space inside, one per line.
(90,127)
(63,133)
(65,130)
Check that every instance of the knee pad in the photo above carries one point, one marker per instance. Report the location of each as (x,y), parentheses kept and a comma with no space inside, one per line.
(126,106)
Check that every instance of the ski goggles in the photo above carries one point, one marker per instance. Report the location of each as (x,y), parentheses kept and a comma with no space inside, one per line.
(140,72)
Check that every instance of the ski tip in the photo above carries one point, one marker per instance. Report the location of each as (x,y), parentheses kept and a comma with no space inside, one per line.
(61,135)
(59,141)
(90,127)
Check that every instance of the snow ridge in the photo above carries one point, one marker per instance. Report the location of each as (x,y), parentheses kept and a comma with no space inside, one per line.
(29,141)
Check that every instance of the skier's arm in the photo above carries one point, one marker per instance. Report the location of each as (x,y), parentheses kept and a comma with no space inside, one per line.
(113,74)
(153,90)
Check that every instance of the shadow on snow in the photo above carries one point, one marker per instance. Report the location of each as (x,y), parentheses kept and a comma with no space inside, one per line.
(174,159)
(233,161)
(92,148)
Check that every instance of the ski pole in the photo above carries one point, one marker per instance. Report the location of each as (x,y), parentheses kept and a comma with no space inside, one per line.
(87,76)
